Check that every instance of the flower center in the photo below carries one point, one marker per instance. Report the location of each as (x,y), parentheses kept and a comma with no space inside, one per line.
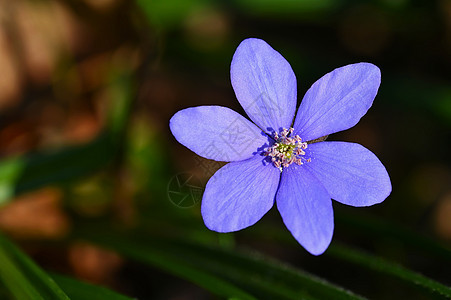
(287,149)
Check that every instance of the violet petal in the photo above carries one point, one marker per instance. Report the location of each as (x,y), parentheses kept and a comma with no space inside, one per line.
(337,100)
(351,174)
(239,194)
(306,209)
(216,132)
(264,84)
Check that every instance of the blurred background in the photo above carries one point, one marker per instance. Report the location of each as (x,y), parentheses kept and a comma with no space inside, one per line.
(94,186)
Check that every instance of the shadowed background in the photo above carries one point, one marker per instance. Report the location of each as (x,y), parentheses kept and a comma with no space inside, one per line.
(87,89)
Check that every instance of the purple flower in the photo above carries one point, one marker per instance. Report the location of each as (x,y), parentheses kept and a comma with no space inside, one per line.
(274,159)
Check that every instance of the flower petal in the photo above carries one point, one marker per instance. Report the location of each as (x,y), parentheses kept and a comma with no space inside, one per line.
(264,84)
(306,209)
(239,194)
(351,174)
(337,100)
(216,132)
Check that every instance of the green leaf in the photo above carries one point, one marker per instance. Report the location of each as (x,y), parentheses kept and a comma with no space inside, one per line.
(371,262)
(10,172)
(78,290)
(121,92)
(388,268)
(224,272)
(167,262)
(30,172)
(166,14)
(297,9)
(23,278)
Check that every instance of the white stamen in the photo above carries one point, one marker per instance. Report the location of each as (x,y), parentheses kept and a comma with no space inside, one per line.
(287,149)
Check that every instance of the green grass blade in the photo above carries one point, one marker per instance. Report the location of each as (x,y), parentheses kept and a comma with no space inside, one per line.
(32,171)
(213,267)
(23,278)
(385,229)
(14,280)
(388,268)
(26,173)
(267,275)
(371,262)
(175,266)
(78,290)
